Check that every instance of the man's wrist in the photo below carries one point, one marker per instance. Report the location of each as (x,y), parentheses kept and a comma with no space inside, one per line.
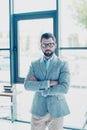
(53,82)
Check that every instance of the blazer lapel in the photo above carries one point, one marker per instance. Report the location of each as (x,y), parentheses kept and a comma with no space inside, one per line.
(43,67)
(52,65)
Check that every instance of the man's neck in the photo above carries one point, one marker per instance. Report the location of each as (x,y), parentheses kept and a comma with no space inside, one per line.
(47,58)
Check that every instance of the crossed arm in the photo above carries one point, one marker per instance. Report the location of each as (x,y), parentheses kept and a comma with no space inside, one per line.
(52,82)
(49,87)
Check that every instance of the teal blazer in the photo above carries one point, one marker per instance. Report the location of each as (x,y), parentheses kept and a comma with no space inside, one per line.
(49,99)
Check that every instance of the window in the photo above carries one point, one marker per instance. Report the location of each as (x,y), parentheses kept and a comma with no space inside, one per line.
(73,31)
(29,44)
(4,42)
(73,48)
(27,31)
(33,5)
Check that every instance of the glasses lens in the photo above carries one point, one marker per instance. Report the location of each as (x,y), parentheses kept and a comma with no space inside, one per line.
(51,45)
(44,45)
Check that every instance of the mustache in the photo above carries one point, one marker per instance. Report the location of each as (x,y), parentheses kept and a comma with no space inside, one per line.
(47,50)
(48,53)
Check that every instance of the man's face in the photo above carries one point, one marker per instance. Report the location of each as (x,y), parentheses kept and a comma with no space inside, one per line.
(48,47)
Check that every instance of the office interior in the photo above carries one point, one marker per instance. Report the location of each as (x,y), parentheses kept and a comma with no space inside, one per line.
(21,25)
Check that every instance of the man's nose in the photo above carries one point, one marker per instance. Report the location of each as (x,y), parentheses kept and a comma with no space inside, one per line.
(47,47)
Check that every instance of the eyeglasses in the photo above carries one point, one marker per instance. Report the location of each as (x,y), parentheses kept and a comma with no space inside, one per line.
(44,45)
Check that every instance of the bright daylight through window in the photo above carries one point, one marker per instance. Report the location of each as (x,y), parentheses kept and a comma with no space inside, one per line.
(73,47)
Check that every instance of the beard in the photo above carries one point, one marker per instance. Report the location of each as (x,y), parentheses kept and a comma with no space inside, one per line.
(48,53)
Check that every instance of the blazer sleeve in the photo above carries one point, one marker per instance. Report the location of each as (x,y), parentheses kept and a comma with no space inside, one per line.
(63,82)
(34,85)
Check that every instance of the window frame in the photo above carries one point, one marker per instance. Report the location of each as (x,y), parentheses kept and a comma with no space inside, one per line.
(28,16)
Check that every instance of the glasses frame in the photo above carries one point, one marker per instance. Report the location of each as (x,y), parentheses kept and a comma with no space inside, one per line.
(45,45)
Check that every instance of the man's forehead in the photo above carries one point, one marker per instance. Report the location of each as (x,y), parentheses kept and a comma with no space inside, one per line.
(47,40)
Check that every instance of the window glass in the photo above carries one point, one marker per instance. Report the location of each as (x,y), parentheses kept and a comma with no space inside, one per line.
(4,23)
(29,41)
(78,63)
(33,5)
(4,67)
(73,23)
(77,94)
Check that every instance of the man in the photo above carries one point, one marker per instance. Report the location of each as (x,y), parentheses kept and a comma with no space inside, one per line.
(49,77)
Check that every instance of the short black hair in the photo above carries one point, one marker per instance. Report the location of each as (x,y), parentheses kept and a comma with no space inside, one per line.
(48,35)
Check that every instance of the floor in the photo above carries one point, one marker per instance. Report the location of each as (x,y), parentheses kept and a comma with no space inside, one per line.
(7,125)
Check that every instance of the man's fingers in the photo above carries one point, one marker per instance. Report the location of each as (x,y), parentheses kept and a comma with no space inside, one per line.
(32,78)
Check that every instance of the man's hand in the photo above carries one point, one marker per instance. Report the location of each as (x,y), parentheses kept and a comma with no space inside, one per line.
(32,78)
(53,82)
